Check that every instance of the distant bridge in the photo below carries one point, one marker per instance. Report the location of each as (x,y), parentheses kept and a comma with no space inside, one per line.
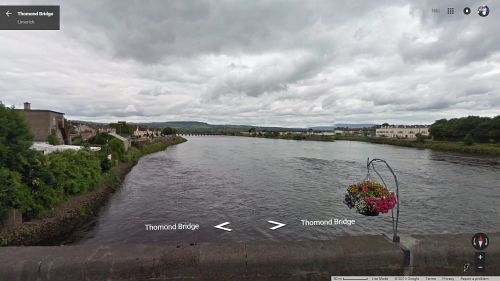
(198,134)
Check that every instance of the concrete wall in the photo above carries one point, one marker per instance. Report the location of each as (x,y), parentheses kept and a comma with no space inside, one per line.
(39,123)
(42,123)
(256,260)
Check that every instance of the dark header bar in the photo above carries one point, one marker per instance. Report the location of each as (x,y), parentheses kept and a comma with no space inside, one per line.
(29,18)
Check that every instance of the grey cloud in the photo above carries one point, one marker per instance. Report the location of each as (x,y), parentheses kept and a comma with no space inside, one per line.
(158,91)
(162,29)
(285,63)
(274,76)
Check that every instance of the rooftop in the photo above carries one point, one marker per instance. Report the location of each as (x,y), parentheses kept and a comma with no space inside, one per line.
(405,126)
(40,110)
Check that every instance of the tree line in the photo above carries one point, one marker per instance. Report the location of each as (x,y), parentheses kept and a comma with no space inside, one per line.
(469,129)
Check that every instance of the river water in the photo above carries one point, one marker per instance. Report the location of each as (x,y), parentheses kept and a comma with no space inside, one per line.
(210,180)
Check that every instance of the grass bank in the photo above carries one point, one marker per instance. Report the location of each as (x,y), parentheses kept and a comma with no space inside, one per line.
(67,217)
(476,148)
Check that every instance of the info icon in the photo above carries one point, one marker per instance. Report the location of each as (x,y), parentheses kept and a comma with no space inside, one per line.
(480,241)
(467,10)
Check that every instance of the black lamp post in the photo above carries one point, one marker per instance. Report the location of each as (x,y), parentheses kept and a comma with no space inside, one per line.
(395,219)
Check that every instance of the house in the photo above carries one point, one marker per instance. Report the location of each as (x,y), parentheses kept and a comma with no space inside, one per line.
(402,131)
(87,135)
(106,129)
(84,131)
(292,133)
(126,142)
(83,128)
(44,123)
(143,132)
(350,131)
(140,132)
(319,133)
(339,132)
(326,133)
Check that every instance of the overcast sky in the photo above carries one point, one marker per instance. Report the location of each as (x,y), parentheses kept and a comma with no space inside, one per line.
(280,63)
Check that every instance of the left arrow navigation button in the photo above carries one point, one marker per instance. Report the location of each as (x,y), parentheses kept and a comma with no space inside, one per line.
(8,13)
(221,226)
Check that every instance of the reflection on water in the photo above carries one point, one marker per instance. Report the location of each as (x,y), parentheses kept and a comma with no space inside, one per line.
(247,181)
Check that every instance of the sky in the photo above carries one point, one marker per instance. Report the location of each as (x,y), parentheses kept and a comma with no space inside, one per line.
(269,63)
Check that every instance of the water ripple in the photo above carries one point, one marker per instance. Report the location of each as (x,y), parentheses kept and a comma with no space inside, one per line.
(247,181)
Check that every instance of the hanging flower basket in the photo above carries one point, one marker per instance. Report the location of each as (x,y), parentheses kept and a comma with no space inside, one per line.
(370,198)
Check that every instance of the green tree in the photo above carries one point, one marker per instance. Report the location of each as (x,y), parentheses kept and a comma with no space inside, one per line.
(122,128)
(481,129)
(494,133)
(117,148)
(74,172)
(52,138)
(168,131)
(14,193)
(468,140)
(420,137)
(33,182)
(15,140)
(438,129)
(100,138)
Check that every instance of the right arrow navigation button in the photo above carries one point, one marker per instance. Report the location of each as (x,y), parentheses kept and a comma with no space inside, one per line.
(277,225)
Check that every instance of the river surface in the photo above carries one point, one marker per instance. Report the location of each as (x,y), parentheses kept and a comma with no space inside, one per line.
(248,181)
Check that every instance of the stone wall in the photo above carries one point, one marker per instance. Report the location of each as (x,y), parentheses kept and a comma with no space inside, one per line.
(255,260)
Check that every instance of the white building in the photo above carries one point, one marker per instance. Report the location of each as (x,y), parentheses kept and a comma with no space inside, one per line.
(47,148)
(402,131)
(146,132)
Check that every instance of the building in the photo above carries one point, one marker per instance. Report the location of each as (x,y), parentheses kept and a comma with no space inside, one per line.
(402,131)
(353,131)
(143,132)
(339,132)
(326,133)
(140,132)
(44,123)
(126,142)
(84,131)
(47,148)
(84,128)
(106,129)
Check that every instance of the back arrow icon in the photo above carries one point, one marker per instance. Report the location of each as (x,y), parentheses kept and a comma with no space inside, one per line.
(221,226)
(277,225)
(8,13)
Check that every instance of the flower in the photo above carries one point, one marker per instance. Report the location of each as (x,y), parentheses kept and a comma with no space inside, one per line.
(370,198)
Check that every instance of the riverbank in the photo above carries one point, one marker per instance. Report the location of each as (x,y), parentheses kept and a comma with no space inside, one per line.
(460,147)
(448,146)
(441,254)
(67,217)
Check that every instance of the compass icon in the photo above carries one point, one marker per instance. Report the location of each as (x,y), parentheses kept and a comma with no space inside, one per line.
(483,11)
(480,241)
